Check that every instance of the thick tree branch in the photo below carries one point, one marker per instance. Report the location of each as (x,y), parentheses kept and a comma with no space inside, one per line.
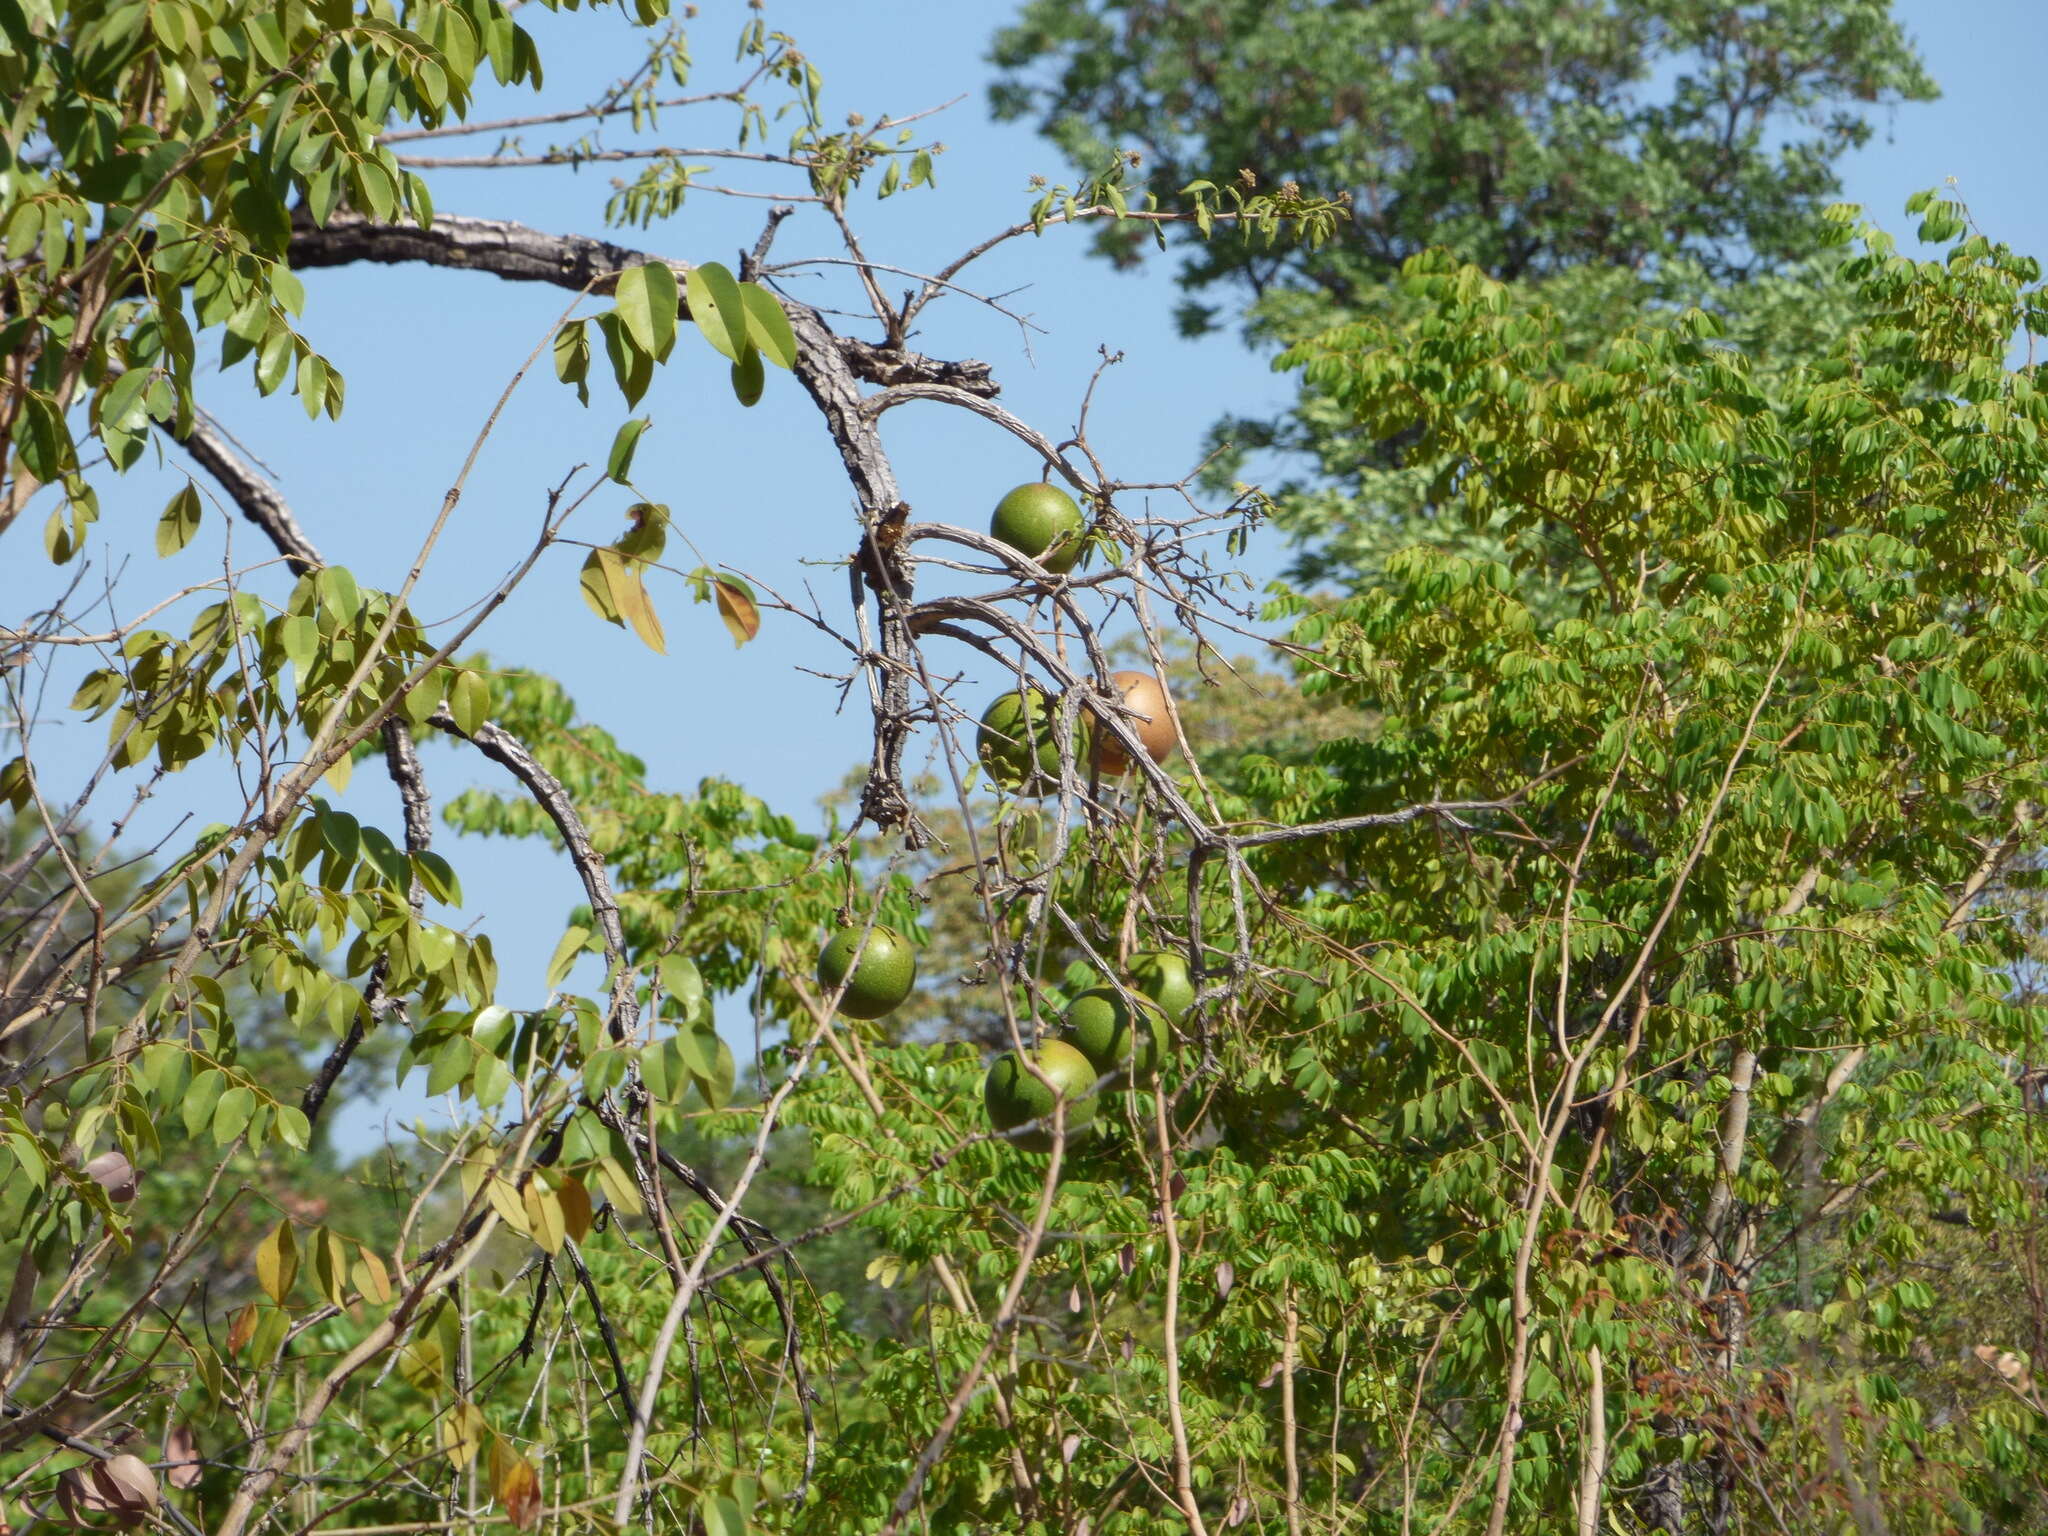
(260,501)
(509,752)
(830,369)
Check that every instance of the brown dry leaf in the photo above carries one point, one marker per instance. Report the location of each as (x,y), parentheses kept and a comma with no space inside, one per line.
(242,1329)
(2003,1361)
(577,1214)
(121,1486)
(181,1455)
(115,1174)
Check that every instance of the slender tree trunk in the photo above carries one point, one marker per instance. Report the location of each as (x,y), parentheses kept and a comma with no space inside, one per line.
(1593,1464)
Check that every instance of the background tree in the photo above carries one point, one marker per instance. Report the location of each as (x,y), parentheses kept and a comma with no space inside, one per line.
(1610,155)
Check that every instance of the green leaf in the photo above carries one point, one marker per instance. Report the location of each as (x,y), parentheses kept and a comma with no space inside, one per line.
(273,359)
(293,1128)
(658,1072)
(721,1516)
(469,701)
(338,592)
(572,357)
(438,877)
(491,1082)
(123,397)
(683,983)
(620,465)
(648,303)
(199,1101)
(312,384)
(180,521)
(632,368)
(716,1083)
(565,955)
(747,376)
(384,854)
(717,308)
(231,1115)
(768,326)
(450,1066)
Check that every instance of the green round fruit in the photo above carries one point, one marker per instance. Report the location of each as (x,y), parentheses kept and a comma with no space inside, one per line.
(1162,975)
(884,977)
(1014,1097)
(1016,742)
(1103,1026)
(1041,521)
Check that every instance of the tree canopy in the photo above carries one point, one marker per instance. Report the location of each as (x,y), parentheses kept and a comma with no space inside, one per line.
(1528,139)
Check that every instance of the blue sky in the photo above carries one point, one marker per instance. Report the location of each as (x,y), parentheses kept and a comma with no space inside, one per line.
(426,353)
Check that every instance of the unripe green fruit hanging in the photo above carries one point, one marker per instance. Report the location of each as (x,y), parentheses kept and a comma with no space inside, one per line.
(1013,1097)
(882,979)
(1162,975)
(1041,521)
(1115,1034)
(1016,743)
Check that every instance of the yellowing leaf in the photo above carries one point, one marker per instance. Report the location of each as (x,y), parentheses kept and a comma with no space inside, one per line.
(423,1363)
(544,1216)
(736,607)
(505,1200)
(243,1329)
(618,1187)
(371,1279)
(462,1432)
(629,597)
(517,1486)
(277,1262)
(330,1266)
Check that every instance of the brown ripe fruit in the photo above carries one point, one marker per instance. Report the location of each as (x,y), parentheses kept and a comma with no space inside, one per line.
(1146,698)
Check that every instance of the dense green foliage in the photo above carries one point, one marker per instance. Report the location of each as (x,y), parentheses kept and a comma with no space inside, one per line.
(1529,139)
(1610,154)
(1610,1094)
